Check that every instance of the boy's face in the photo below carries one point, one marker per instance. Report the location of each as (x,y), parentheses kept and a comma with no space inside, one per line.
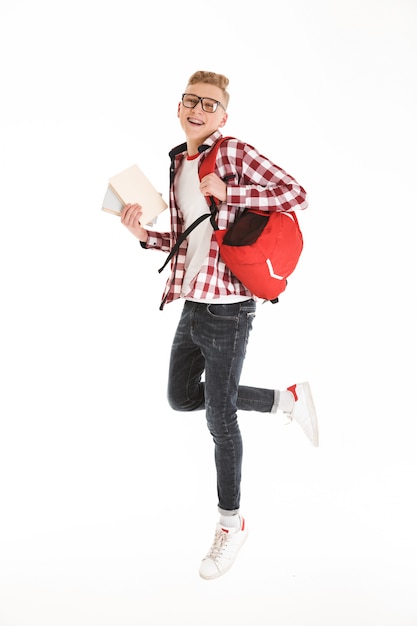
(197,123)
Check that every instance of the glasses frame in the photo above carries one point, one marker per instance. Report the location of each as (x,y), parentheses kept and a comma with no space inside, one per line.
(201,101)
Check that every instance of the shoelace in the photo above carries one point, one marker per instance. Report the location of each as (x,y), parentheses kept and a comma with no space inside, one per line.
(216,550)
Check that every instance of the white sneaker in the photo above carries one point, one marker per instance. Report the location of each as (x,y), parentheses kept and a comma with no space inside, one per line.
(226,545)
(304,412)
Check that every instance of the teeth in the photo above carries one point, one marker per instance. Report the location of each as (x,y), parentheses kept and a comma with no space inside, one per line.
(193,121)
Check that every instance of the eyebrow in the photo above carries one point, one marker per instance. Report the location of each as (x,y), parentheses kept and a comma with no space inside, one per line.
(187,93)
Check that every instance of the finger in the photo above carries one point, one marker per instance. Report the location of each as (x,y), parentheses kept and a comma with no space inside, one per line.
(130,211)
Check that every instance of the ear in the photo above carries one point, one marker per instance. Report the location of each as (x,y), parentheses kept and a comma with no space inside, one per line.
(179,108)
(223,120)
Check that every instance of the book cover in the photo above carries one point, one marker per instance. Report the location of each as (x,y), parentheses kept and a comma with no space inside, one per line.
(129,187)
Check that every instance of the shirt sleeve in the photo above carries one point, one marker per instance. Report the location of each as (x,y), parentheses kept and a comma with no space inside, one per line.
(158,241)
(262,184)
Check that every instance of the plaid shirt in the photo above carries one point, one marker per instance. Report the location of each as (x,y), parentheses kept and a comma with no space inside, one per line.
(253,182)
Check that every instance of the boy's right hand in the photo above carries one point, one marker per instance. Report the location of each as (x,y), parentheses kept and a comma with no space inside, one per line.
(131,214)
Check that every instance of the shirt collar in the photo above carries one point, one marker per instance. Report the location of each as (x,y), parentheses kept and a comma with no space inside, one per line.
(207,144)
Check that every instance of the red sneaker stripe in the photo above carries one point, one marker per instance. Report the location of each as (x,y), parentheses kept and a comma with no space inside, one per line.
(294,393)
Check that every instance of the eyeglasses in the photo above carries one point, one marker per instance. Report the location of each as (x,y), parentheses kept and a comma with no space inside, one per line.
(208,105)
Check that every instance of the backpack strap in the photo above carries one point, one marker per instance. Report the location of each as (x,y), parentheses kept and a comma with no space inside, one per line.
(181,238)
(207,167)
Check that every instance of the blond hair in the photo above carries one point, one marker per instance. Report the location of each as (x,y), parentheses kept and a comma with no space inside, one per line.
(211,78)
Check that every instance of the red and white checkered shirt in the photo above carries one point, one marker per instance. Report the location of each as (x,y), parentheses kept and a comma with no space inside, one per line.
(253,181)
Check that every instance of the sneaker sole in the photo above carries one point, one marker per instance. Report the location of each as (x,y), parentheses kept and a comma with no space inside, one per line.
(226,569)
(312,410)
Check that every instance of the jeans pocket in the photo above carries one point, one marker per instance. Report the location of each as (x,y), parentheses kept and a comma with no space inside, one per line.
(230,311)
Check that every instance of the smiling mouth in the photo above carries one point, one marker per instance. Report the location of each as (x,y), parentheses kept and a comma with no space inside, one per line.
(193,120)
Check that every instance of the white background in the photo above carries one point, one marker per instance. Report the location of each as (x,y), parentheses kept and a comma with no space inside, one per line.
(107,496)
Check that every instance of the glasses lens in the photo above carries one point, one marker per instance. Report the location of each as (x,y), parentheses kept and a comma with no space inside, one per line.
(209,105)
(189,100)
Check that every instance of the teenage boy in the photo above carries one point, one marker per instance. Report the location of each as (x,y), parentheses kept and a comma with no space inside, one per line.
(218,310)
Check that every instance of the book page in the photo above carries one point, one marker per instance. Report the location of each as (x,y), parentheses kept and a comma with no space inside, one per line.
(112,203)
(129,187)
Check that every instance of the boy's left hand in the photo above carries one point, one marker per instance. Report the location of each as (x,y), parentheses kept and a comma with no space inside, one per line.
(212,185)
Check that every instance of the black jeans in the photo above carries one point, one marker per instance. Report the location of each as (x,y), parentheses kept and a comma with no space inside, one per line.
(212,338)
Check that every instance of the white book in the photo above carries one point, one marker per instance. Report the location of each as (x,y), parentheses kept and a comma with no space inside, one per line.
(129,187)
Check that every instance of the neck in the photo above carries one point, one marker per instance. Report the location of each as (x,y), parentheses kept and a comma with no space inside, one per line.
(192,147)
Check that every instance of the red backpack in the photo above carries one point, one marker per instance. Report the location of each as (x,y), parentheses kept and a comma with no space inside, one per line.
(260,248)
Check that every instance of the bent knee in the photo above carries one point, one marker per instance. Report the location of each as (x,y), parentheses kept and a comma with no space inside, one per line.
(176,403)
(179,402)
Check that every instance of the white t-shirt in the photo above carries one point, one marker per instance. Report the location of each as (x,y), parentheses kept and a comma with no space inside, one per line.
(193,204)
